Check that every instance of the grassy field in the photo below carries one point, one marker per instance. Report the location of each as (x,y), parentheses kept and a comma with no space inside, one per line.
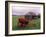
(34,24)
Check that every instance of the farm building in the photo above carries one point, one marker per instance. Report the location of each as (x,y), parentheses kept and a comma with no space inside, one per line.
(30,15)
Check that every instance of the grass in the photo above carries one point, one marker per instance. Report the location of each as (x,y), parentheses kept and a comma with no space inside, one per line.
(34,24)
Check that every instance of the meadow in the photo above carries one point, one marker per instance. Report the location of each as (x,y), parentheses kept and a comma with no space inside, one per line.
(34,24)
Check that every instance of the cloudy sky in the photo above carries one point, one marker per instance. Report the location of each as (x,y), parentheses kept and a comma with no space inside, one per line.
(23,9)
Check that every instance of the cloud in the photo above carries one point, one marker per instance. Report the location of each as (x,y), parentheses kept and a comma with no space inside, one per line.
(20,10)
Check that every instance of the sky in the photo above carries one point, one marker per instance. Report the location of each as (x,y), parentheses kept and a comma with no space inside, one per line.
(24,9)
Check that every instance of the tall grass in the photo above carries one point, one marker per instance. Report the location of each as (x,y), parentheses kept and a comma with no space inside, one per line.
(34,24)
